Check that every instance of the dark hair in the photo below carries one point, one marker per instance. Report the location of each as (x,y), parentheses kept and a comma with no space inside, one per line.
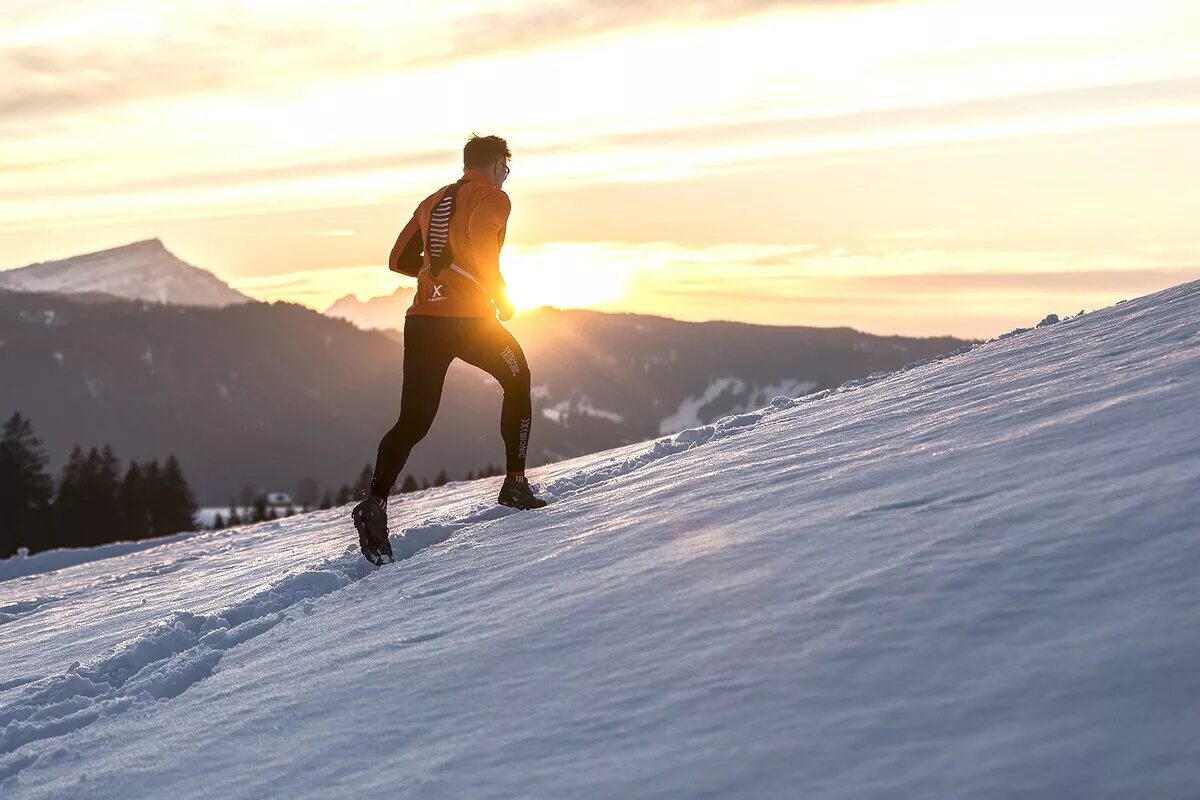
(481,151)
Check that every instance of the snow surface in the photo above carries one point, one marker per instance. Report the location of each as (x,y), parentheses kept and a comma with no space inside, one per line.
(561,412)
(688,415)
(23,564)
(974,577)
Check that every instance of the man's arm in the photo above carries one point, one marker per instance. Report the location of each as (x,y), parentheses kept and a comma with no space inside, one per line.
(486,232)
(406,257)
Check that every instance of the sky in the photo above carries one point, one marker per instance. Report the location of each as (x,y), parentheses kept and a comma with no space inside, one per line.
(921,167)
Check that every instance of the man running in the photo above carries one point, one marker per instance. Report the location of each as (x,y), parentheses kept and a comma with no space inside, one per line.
(452,246)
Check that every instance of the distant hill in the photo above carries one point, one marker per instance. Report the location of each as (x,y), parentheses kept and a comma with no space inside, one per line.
(144,271)
(649,376)
(376,313)
(267,394)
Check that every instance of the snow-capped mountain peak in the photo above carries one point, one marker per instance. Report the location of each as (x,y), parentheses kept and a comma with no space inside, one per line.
(144,270)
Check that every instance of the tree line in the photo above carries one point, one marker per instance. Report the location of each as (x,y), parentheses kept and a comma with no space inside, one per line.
(92,502)
(255,508)
(362,485)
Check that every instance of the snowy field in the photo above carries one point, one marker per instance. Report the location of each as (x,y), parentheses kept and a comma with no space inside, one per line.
(975,577)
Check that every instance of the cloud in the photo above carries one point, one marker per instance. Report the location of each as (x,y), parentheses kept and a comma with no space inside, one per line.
(231,47)
(976,305)
(1183,91)
(246,176)
(878,288)
(42,80)
(550,23)
(1059,103)
(318,288)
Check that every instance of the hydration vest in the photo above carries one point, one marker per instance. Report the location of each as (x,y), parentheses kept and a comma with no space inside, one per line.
(438,240)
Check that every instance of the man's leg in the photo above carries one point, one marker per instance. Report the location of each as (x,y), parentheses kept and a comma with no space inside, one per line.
(495,351)
(427,357)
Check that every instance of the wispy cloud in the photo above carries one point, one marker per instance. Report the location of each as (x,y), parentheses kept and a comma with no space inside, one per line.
(319,288)
(542,24)
(1170,93)
(704,147)
(173,51)
(184,179)
(169,51)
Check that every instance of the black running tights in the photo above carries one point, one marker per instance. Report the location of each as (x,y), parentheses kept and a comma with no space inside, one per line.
(430,345)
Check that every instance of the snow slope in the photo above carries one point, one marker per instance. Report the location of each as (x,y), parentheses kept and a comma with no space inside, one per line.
(974,577)
(24,564)
(144,271)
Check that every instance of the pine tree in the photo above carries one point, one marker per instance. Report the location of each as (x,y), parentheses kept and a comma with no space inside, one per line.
(218,522)
(133,498)
(107,519)
(179,504)
(156,506)
(344,495)
(234,517)
(70,512)
(410,484)
(25,489)
(442,479)
(326,501)
(87,511)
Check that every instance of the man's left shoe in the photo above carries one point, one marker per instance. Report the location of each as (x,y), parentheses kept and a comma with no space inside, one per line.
(518,494)
(370,519)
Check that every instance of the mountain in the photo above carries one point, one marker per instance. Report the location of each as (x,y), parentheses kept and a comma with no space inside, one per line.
(972,577)
(144,271)
(645,376)
(267,394)
(377,312)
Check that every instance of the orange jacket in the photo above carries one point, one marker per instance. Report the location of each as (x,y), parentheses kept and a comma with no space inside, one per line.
(468,287)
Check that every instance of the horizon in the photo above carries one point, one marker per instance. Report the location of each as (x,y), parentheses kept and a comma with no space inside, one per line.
(411,284)
(919,168)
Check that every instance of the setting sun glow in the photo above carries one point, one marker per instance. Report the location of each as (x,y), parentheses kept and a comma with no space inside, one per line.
(565,276)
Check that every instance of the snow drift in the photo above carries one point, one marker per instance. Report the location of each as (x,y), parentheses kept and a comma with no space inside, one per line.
(972,577)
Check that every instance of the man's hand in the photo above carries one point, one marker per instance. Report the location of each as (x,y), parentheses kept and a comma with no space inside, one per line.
(505,308)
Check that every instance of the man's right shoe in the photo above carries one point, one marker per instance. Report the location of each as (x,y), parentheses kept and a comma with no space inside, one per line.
(517,494)
(370,519)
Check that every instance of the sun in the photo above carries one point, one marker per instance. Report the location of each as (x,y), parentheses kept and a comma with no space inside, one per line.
(564,276)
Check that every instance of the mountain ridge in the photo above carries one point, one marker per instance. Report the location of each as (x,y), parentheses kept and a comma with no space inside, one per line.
(267,394)
(144,270)
(383,312)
